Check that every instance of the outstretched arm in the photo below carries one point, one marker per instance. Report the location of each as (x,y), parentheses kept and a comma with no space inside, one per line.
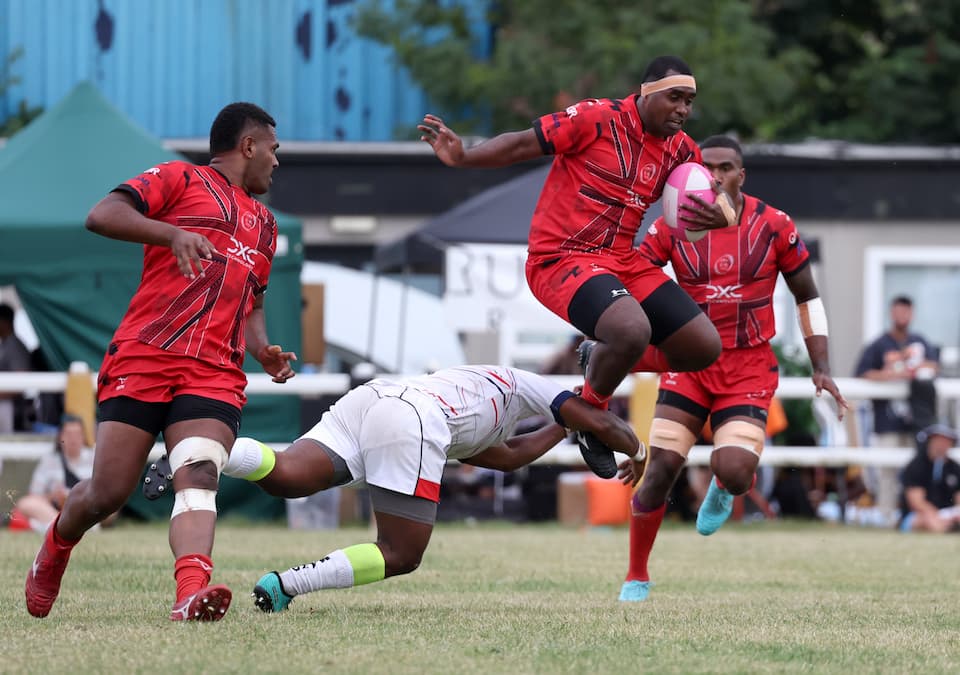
(577,415)
(502,150)
(519,451)
(804,290)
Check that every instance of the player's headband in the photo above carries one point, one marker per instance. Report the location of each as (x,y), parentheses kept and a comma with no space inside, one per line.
(668,82)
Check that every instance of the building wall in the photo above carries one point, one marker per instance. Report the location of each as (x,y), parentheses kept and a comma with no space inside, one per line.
(172,65)
(843,252)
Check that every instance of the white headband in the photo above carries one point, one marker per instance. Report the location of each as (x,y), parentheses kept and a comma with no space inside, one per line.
(669,82)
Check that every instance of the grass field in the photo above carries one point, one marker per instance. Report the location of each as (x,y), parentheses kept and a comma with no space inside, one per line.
(763,598)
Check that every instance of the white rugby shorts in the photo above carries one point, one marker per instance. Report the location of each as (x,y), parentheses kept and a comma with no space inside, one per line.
(390,436)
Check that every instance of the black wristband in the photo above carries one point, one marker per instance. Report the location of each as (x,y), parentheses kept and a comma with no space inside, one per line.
(555,406)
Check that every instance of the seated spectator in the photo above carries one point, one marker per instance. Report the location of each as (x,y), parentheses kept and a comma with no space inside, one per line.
(56,474)
(930,500)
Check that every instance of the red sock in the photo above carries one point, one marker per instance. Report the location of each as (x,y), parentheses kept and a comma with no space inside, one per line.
(59,540)
(644,526)
(593,398)
(192,572)
(652,361)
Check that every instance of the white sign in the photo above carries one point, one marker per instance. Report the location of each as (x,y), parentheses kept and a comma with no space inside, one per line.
(486,285)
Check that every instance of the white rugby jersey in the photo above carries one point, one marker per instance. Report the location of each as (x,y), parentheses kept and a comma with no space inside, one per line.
(482,404)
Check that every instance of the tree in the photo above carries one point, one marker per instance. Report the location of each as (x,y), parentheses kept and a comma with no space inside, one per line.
(886,69)
(24,114)
(869,70)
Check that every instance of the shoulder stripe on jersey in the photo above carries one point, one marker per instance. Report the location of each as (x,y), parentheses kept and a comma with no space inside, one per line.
(214,193)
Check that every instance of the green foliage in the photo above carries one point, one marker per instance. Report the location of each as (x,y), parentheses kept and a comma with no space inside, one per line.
(872,70)
(24,114)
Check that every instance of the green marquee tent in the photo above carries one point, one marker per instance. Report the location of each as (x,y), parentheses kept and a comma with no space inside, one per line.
(75,285)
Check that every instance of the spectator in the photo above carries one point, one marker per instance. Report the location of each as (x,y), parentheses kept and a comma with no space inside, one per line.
(930,500)
(896,355)
(69,463)
(14,357)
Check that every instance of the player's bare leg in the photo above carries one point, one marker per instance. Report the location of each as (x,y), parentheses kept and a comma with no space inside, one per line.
(399,549)
(121,453)
(622,334)
(197,451)
(734,461)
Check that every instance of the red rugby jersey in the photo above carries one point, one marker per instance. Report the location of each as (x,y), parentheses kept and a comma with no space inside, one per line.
(203,317)
(731,273)
(606,171)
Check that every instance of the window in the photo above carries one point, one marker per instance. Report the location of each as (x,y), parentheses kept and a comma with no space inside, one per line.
(928,275)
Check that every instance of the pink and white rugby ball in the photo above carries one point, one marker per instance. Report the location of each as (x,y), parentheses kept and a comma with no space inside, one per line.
(688,178)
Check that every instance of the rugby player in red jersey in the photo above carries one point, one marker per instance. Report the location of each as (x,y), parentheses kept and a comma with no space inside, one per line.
(611,161)
(732,273)
(174,364)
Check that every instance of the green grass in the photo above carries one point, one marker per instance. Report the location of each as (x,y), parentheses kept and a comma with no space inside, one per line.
(763,598)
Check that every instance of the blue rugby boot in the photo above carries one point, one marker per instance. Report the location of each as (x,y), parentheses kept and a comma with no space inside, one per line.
(269,595)
(716,508)
(635,591)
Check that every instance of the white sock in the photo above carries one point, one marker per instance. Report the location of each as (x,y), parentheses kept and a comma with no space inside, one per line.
(249,459)
(334,571)
(352,566)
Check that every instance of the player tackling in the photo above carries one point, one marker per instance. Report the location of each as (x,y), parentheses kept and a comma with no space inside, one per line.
(396,435)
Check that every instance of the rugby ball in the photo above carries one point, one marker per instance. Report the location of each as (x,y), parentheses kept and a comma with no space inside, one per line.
(688,178)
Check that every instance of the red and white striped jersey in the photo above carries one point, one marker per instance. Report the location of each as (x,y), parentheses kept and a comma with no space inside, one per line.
(482,404)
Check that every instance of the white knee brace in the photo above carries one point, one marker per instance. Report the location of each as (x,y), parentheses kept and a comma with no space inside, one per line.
(670,435)
(740,434)
(193,450)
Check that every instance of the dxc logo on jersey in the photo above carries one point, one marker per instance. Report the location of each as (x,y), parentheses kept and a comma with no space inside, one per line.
(242,251)
(635,199)
(718,292)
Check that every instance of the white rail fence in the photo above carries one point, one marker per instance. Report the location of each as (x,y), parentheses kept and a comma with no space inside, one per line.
(314,385)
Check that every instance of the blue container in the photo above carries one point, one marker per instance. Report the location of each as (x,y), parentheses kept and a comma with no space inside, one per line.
(172,65)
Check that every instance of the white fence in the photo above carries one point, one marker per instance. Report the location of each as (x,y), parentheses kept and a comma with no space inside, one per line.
(308,385)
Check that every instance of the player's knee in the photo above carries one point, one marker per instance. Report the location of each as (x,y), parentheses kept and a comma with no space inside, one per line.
(626,334)
(104,496)
(737,448)
(400,560)
(696,359)
(202,475)
(196,462)
(632,340)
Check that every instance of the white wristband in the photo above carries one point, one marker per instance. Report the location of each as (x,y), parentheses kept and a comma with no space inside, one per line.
(812,317)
